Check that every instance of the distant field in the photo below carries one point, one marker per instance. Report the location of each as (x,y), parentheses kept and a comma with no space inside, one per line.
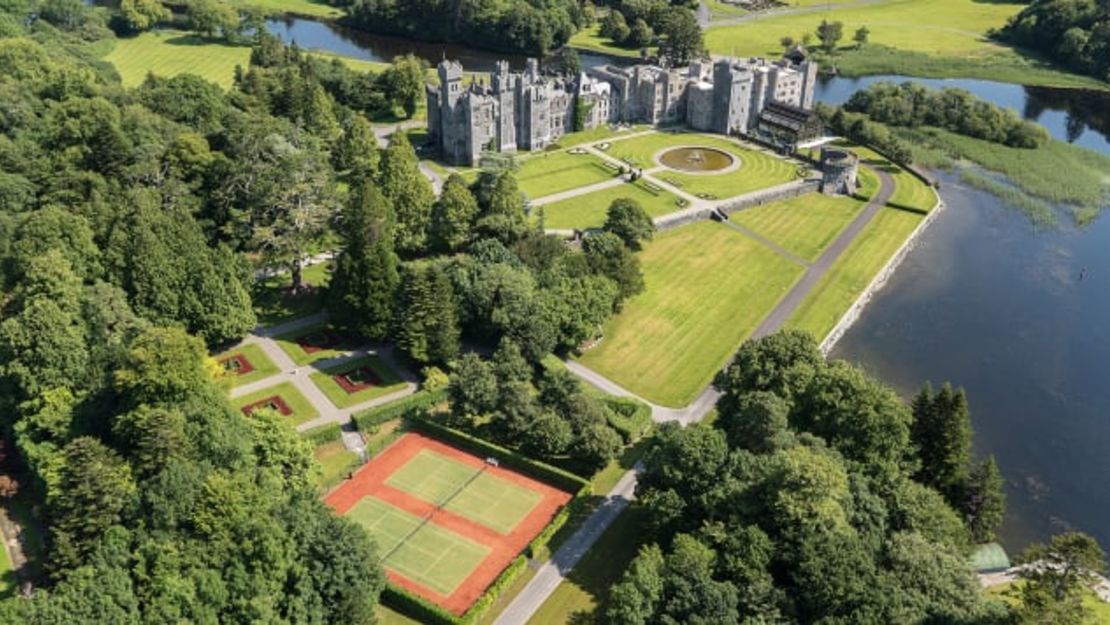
(589,211)
(758,170)
(708,287)
(805,225)
(309,8)
(853,271)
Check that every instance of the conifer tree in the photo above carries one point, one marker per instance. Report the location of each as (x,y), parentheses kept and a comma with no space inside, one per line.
(503,216)
(403,184)
(360,296)
(427,327)
(984,502)
(942,433)
(453,215)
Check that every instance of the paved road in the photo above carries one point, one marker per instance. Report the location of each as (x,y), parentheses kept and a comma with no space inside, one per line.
(525,605)
(552,573)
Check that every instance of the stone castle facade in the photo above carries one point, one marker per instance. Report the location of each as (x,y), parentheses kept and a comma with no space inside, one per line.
(529,111)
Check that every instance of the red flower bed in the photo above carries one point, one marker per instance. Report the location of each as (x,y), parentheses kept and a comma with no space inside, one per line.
(274,402)
(237,364)
(357,379)
(317,340)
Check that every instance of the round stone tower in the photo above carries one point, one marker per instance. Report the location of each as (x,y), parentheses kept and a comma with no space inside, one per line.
(839,169)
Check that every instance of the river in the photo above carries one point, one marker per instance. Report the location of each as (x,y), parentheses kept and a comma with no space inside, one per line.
(985,301)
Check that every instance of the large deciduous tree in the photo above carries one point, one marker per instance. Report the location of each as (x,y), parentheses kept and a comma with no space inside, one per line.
(682,40)
(629,221)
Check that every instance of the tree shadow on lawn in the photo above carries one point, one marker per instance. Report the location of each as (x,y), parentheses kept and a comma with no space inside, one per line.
(200,40)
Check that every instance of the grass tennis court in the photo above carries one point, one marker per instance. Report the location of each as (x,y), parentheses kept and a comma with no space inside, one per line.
(423,552)
(470,492)
(446,523)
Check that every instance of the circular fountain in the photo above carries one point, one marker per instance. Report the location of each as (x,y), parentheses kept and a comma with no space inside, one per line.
(697,159)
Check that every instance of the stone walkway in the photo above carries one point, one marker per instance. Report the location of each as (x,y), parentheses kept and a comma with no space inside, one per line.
(300,377)
(539,589)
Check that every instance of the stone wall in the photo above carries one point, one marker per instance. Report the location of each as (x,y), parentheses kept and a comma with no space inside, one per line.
(781,192)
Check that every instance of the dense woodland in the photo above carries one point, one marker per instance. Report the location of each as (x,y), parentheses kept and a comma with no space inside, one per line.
(1075,33)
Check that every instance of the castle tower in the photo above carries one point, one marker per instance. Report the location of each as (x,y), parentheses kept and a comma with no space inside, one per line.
(504,89)
(809,82)
(732,94)
(454,127)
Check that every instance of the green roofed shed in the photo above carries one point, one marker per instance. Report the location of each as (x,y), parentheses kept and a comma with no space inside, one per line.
(990,558)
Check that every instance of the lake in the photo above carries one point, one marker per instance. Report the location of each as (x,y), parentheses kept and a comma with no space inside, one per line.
(986,301)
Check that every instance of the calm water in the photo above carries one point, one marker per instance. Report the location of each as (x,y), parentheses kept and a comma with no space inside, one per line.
(361,45)
(1077,116)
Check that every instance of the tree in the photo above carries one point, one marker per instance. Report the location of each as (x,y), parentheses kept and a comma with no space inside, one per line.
(984,501)
(473,388)
(786,42)
(427,326)
(941,432)
(163,366)
(503,213)
(153,437)
(364,280)
(211,17)
(357,151)
(453,215)
(140,15)
(682,40)
(1055,577)
(402,183)
(608,256)
(614,26)
(629,221)
(830,33)
(404,81)
(757,422)
(640,35)
(781,363)
(861,36)
(565,60)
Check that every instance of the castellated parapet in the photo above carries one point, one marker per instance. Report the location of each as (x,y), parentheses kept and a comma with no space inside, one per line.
(527,110)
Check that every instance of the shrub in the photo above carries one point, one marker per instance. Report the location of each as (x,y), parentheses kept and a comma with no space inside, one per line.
(417,403)
(323,434)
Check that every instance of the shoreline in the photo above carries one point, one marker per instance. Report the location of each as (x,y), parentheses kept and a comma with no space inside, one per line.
(850,316)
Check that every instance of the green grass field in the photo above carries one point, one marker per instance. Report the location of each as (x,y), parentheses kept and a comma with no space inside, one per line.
(288,344)
(263,366)
(1009,593)
(758,170)
(552,172)
(302,410)
(708,287)
(590,39)
(485,499)
(853,271)
(589,211)
(308,8)
(390,381)
(336,461)
(169,53)
(805,225)
(432,556)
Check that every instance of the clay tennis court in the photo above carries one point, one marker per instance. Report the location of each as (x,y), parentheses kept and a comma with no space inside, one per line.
(446,523)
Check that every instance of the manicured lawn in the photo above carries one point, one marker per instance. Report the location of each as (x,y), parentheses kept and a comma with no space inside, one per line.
(263,367)
(589,211)
(805,225)
(387,381)
(336,461)
(340,345)
(169,53)
(938,27)
(387,616)
(546,173)
(587,587)
(853,271)
(273,304)
(708,287)
(430,554)
(600,133)
(309,8)
(758,170)
(302,410)
(590,39)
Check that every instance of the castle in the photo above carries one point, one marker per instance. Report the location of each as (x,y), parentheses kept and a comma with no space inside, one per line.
(530,111)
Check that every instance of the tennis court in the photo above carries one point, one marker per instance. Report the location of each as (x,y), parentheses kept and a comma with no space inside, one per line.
(446,522)
(423,552)
(467,491)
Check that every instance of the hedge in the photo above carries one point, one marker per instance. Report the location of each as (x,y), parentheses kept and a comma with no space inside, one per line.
(629,417)
(555,476)
(368,419)
(323,434)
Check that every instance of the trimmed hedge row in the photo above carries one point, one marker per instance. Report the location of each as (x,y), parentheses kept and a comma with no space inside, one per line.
(370,418)
(629,417)
(555,476)
(328,433)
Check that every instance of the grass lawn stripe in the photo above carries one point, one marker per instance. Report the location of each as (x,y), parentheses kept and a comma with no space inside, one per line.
(547,173)
(805,225)
(263,366)
(432,556)
(589,211)
(708,287)
(301,407)
(853,271)
(390,382)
